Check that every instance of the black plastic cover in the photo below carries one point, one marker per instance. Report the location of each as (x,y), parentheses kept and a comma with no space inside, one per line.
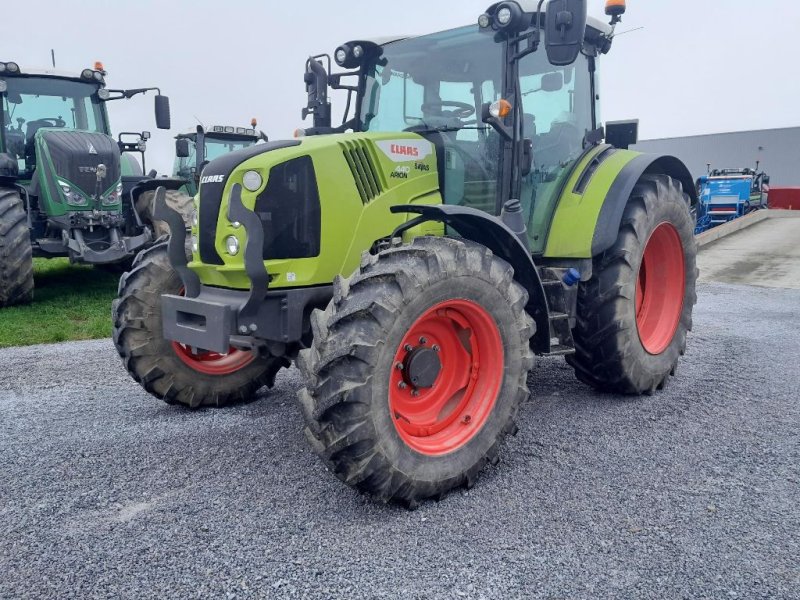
(76,154)
(289,211)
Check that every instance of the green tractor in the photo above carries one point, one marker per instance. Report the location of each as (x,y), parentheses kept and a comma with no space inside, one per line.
(67,188)
(472,218)
(195,149)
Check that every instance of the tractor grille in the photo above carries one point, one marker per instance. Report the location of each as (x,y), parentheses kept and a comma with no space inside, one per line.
(365,174)
(289,210)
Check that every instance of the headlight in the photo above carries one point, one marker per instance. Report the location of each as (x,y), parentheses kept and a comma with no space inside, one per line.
(98,76)
(358,51)
(87,74)
(484,21)
(103,94)
(76,199)
(252,181)
(341,56)
(232,245)
(12,67)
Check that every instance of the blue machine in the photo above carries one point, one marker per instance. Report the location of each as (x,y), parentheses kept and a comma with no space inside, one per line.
(727,194)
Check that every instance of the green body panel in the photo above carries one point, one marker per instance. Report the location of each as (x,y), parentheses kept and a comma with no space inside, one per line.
(130,167)
(573,223)
(52,200)
(349,224)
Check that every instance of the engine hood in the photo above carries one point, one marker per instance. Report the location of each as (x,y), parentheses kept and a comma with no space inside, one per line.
(67,162)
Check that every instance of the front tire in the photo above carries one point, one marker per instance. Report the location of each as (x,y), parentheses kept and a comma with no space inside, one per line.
(635,312)
(16,255)
(168,370)
(417,369)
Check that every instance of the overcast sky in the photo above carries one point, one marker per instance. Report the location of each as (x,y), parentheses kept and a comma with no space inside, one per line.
(698,66)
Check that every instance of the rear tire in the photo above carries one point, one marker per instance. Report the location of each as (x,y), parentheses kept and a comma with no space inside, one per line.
(16,255)
(635,312)
(404,441)
(176,200)
(167,370)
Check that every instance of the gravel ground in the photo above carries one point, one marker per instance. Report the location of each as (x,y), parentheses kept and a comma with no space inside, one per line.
(106,492)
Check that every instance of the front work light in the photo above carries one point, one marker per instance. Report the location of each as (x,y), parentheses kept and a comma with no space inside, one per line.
(341,56)
(484,21)
(504,16)
(12,67)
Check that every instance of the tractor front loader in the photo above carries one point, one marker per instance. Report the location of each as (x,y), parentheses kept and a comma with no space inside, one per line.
(468,214)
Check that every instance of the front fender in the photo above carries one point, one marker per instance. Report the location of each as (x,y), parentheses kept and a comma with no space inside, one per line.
(587,219)
(489,231)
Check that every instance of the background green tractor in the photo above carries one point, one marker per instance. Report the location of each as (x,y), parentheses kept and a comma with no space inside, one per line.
(195,149)
(472,219)
(66,187)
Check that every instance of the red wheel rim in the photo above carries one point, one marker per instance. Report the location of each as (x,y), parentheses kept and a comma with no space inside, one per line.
(441,418)
(660,288)
(213,363)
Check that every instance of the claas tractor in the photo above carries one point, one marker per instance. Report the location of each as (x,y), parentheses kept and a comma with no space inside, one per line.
(195,149)
(468,214)
(67,188)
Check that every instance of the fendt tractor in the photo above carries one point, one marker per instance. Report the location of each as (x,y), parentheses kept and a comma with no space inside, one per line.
(67,188)
(195,149)
(467,216)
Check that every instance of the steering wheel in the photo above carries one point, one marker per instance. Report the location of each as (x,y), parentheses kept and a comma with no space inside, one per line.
(462,110)
(50,122)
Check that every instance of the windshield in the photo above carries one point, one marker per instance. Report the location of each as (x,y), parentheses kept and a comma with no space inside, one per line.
(435,81)
(216,148)
(436,86)
(31,103)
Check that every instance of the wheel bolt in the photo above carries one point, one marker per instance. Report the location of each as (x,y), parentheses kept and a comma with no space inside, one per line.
(415,393)
(436,348)
(398,366)
(423,341)
(402,385)
(467,420)
(408,347)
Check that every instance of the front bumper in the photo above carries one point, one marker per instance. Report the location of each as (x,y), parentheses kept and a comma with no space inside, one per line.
(216,319)
(119,248)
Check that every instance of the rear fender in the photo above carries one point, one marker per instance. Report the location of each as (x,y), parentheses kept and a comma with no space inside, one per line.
(489,231)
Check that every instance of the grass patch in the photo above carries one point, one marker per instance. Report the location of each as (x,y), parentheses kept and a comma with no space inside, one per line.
(70,302)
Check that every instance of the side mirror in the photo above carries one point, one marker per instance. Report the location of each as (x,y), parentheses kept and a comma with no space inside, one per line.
(182,148)
(565,28)
(163,120)
(552,82)
(622,134)
(316,79)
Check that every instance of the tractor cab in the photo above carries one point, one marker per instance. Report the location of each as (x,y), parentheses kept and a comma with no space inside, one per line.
(505,120)
(57,152)
(195,149)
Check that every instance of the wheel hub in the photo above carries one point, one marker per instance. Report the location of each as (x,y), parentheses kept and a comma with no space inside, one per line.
(421,367)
